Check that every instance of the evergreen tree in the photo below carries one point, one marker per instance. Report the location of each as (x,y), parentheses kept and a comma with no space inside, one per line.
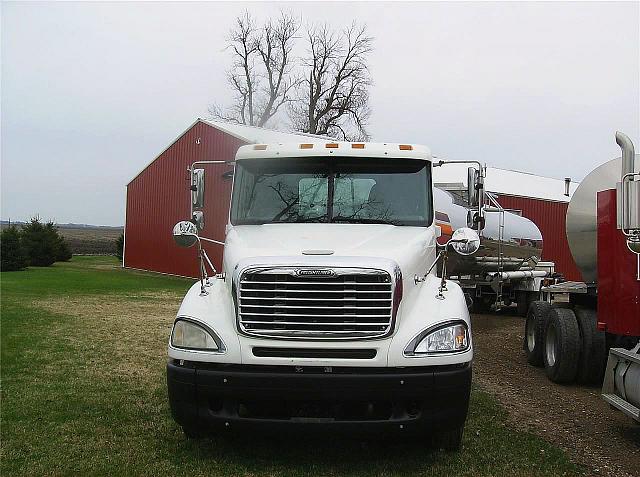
(13,253)
(41,242)
(120,246)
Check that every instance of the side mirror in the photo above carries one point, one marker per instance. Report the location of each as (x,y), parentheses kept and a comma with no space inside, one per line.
(185,234)
(197,188)
(472,186)
(465,241)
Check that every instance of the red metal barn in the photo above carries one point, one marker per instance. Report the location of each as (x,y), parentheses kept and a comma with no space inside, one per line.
(158,196)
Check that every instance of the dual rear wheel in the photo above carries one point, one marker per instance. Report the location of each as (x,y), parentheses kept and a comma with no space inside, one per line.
(566,342)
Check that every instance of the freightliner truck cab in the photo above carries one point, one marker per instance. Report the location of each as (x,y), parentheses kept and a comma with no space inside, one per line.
(329,313)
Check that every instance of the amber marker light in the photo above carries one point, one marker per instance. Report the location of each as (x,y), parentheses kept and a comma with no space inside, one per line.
(331,145)
(406,147)
(260,147)
(357,146)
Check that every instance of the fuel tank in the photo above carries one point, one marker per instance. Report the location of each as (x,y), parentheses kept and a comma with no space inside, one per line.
(581,221)
(521,243)
(581,225)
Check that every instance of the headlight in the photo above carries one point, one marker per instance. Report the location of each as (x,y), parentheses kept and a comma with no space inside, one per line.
(449,338)
(187,334)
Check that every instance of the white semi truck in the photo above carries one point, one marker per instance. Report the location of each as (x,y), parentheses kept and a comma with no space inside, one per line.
(328,314)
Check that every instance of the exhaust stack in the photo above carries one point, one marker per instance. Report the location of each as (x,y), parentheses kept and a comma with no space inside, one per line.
(628,195)
(628,153)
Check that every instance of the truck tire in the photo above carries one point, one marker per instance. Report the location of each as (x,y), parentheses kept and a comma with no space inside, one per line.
(561,345)
(450,441)
(534,331)
(593,355)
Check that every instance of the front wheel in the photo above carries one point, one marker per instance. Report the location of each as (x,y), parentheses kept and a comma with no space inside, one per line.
(450,440)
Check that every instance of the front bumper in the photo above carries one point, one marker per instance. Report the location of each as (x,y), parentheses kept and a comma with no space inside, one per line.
(354,400)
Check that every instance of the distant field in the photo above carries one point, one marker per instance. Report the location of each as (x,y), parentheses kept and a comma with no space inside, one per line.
(90,240)
(85,240)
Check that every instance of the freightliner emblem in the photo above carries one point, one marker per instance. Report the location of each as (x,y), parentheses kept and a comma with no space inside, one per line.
(315,273)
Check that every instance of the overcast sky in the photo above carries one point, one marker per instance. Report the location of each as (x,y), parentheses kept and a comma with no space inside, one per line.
(93,92)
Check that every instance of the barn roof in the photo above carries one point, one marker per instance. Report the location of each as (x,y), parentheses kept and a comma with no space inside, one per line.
(255,135)
(507,182)
(248,134)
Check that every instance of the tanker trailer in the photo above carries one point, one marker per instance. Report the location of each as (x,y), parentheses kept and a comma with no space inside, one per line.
(597,335)
(507,267)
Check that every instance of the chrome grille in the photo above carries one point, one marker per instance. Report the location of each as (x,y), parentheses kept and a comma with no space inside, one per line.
(342,304)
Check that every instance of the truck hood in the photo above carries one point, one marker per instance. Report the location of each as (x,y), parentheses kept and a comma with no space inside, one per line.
(412,248)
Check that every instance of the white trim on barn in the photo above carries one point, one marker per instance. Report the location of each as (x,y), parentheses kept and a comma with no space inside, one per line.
(506,182)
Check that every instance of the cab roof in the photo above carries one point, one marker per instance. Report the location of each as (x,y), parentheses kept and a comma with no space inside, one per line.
(341,149)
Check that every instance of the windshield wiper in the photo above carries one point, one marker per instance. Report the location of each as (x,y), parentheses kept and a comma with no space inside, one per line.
(355,220)
(299,220)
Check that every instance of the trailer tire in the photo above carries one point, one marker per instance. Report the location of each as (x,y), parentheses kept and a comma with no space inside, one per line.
(449,441)
(534,326)
(594,348)
(561,345)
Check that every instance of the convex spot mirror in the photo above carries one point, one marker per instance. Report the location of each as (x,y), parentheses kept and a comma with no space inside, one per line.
(634,244)
(198,219)
(473,180)
(185,233)
(465,241)
(197,188)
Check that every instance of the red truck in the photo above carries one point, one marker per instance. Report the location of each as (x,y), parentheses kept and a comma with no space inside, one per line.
(589,331)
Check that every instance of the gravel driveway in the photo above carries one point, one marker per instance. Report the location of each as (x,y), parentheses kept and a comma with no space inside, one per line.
(573,417)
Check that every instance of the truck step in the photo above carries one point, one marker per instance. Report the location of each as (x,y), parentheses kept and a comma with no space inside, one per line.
(624,406)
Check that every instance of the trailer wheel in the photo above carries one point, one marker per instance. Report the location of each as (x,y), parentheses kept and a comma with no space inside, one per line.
(594,349)
(534,331)
(561,345)
(448,440)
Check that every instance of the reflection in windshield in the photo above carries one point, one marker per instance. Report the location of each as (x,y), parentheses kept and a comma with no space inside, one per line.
(346,190)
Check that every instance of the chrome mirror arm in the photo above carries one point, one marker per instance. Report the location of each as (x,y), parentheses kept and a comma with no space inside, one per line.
(443,251)
(211,240)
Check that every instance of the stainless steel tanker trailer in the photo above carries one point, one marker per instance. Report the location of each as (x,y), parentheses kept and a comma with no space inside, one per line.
(593,332)
(508,267)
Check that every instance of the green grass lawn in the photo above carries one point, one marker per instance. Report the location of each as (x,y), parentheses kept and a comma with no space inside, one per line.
(83,393)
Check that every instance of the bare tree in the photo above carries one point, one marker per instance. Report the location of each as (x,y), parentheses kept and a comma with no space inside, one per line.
(261,74)
(333,95)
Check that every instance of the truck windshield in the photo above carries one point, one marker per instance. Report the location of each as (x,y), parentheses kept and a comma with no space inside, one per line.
(341,190)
